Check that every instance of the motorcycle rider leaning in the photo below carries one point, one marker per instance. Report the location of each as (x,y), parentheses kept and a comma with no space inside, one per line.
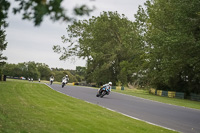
(65,78)
(107,86)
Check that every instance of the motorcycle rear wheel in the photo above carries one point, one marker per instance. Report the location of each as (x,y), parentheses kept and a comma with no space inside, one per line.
(63,85)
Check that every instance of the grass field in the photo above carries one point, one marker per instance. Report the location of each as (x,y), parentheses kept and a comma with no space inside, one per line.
(31,107)
(174,101)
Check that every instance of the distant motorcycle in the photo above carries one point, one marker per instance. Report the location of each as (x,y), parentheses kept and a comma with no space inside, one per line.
(51,82)
(102,92)
(64,82)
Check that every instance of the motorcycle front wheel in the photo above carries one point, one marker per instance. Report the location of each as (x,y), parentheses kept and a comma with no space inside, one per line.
(63,85)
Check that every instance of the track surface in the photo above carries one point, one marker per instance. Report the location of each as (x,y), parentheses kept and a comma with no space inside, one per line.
(181,119)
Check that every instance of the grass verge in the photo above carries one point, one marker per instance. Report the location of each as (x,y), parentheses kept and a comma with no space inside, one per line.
(31,107)
(174,101)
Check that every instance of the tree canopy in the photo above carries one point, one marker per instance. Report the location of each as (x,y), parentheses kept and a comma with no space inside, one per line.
(160,49)
(172,37)
(106,42)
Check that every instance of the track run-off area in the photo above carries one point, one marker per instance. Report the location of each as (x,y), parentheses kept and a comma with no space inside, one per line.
(172,117)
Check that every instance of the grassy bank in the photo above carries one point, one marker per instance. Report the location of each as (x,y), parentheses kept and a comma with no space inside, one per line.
(31,107)
(175,101)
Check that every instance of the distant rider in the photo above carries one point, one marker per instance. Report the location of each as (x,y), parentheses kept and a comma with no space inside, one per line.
(65,79)
(51,79)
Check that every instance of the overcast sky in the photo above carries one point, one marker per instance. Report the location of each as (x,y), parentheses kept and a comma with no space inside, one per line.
(29,43)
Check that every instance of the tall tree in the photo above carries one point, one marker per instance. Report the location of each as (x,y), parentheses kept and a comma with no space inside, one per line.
(44,71)
(3,46)
(8,69)
(32,70)
(172,44)
(3,24)
(105,41)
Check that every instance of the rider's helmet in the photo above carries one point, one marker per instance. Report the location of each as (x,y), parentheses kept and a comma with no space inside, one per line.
(66,76)
(110,83)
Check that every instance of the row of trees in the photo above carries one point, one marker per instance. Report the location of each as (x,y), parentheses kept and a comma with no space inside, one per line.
(160,49)
(42,71)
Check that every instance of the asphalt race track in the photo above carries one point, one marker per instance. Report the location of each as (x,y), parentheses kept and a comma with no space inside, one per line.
(181,119)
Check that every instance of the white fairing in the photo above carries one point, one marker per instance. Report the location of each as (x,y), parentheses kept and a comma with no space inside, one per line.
(64,81)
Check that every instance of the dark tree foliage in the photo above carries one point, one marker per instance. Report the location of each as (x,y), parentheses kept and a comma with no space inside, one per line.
(172,44)
(4,6)
(36,10)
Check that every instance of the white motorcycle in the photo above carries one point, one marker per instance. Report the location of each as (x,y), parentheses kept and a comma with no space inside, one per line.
(64,82)
(51,81)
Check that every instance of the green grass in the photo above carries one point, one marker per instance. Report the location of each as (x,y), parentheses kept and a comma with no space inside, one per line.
(30,107)
(174,101)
